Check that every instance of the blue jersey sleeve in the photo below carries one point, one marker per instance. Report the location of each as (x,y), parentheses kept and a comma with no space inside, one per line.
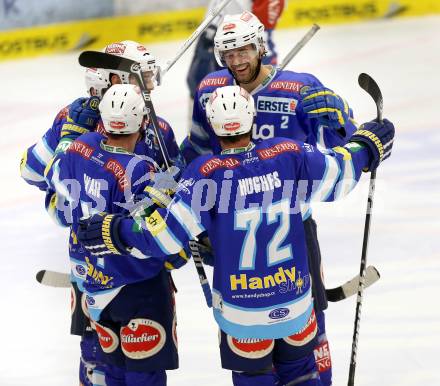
(321,177)
(36,158)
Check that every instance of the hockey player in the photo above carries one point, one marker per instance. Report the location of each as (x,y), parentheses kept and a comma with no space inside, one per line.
(80,117)
(130,299)
(289,104)
(203,62)
(248,201)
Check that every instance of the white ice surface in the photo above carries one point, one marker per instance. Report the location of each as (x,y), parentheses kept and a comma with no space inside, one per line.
(400,327)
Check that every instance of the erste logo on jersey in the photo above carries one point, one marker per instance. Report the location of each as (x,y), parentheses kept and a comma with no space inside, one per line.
(115,48)
(142,338)
(286,86)
(216,163)
(213,82)
(251,348)
(279,148)
(306,334)
(276,105)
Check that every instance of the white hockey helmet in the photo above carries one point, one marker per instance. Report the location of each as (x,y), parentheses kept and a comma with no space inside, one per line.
(99,79)
(237,31)
(122,109)
(230,110)
(135,51)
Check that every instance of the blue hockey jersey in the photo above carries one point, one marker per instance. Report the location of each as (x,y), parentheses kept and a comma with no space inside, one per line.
(277,102)
(249,203)
(93,177)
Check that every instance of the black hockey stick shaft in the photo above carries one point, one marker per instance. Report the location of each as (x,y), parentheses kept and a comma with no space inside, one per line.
(97,59)
(371,87)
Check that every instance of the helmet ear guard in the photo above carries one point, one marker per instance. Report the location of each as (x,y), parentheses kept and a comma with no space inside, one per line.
(122,109)
(237,31)
(230,111)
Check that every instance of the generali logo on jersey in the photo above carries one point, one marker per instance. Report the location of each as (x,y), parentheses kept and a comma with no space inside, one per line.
(115,168)
(286,86)
(213,82)
(81,148)
(115,48)
(216,163)
(278,149)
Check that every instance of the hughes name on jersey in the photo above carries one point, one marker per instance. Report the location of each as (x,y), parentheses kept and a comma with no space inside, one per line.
(277,102)
(249,203)
(93,177)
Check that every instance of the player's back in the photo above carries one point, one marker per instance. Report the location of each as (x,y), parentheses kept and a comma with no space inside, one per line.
(104,178)
(256,230)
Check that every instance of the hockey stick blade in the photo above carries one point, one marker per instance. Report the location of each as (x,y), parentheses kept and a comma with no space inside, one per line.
(53,279)
(350,288)
(370,86)
(96,59)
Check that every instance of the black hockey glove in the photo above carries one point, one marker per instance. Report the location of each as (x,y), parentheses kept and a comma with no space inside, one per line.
(100,234)
(378,138)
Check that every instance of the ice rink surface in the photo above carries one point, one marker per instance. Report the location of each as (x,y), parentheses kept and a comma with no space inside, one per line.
(400,327)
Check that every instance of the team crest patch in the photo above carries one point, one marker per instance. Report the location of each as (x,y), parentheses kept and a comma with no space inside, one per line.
(305,335)
(142,338)
(72,300)
(251,348)
(107,338)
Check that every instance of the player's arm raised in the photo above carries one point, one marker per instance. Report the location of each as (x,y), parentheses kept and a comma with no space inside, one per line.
(334,174)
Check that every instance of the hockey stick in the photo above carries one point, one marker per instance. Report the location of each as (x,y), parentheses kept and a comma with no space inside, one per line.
(298,46)
(193,37)
(371,87)
(350,288)
(344,291)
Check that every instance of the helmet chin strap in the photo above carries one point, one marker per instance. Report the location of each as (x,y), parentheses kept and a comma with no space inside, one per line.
(257,71)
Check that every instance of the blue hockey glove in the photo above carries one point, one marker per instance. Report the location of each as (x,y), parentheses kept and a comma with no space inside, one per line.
(83,117)
(178,260)
(327,107)
(100,234)
(378,138)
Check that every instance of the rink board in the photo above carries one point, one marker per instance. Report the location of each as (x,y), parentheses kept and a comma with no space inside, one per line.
(179,24)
